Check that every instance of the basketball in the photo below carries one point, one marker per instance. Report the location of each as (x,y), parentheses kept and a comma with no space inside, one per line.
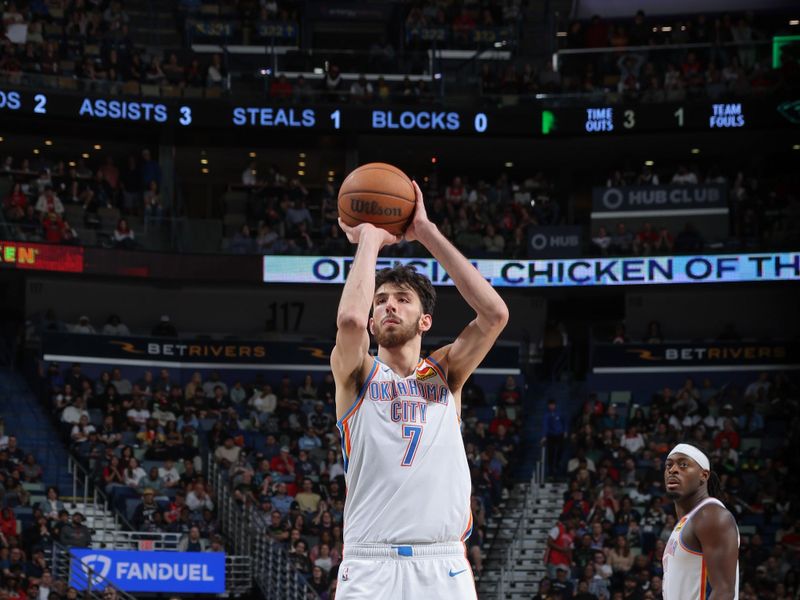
(380,194)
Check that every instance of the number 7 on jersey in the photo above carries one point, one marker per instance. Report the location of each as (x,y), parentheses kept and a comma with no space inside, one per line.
(412,433)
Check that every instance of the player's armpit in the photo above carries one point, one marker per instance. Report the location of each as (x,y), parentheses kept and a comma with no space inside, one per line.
(717,534)
(350,360)
(463,356)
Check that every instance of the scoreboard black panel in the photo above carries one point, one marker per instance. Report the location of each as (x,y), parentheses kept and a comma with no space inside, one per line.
(533,121)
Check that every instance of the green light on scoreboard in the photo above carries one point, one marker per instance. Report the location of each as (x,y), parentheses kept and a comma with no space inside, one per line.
(779,42)
(548,122)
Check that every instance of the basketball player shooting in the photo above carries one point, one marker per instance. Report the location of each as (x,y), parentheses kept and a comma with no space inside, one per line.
(701,559)
(407,512)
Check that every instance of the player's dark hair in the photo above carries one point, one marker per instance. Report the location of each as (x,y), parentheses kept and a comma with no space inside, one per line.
(714,485)
(407,276)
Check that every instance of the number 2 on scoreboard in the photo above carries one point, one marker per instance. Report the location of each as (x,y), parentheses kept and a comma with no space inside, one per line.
(412,433)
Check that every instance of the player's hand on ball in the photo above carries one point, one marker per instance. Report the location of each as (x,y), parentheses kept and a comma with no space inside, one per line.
(420,219)
(355,234)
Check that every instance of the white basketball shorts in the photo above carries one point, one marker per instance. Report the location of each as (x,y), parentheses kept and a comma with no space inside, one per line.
(417,572)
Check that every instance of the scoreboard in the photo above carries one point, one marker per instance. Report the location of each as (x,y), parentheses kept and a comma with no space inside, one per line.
(532,121)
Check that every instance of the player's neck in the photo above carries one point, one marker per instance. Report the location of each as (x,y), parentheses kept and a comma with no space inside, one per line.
(686,505)
(401,359)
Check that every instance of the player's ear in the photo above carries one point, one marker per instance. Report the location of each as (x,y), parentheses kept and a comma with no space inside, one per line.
(425,323)
(371,325)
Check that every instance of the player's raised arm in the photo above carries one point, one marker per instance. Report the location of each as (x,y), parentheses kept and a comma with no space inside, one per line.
(463,356)
(352,340)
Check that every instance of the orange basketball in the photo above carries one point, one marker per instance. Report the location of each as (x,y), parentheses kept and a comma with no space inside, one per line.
(380,194)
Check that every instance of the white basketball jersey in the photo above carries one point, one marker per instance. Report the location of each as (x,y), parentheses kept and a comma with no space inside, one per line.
(685,576)
(408,481)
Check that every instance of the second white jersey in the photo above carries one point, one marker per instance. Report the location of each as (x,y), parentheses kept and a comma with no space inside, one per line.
(408,481)
(685,575)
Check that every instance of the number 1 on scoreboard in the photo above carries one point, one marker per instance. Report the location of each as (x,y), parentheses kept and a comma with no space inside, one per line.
(679,115)
(336,117)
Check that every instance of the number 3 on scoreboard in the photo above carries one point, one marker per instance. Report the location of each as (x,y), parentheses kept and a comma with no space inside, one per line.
(412,433)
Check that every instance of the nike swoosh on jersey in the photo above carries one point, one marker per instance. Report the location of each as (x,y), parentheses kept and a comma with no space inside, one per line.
(453,574)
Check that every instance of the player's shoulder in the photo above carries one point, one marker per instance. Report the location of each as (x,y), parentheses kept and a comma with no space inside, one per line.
(714,514)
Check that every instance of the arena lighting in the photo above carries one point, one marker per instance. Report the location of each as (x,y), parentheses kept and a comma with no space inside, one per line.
(794,22)
(648,163)
(561,34)
(437,76)
(36,151)
(331,173)
(301,173)
(203,161)
(204,171)
(318,71)
(434,160)
(666,28)
(85,155)
(795,147)
(302,155)
(48,142)
(509,164)
(252,155)
(98,147)
(302,163)
(71,163)
(695,150)
(2,139)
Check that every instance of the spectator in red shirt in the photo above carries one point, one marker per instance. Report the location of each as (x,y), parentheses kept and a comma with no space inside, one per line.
(53,228)
(596,33)
(281,88)
(645,240)
(15,204)
(559,545)
(8,523)
(283,463)
(500,419)
(729,433)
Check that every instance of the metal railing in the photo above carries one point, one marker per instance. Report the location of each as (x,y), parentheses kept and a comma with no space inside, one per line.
(68,567)
(247,528)
(85,491)
(515,544)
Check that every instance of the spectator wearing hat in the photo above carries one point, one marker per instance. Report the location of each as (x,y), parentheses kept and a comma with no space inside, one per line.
(83,325)
(144,513)
(283,464)
(164,328)
(75,534)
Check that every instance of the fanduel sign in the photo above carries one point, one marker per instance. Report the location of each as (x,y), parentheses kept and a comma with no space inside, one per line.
(167,572)
(666,200)
(554,242)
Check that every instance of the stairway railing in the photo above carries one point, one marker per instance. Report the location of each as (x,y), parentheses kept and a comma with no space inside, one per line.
(86,491)
(68,567)
(247,527)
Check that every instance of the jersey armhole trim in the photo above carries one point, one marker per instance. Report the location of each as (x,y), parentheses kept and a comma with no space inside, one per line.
(357,402)
(685,547)
(437,367)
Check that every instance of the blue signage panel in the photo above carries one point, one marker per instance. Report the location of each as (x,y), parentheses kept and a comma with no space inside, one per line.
(148,571)
(629,270)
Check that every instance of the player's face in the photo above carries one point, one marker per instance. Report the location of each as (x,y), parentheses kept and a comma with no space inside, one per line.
(397,315)
(682,476)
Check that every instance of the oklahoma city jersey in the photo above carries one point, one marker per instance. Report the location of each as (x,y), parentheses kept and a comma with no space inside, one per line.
(685,576)
(408,481)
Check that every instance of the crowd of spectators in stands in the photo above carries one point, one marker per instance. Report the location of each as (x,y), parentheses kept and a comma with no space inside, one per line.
(148,437)
(40,195)
(24,570)
(483,218)
(732,61)
(616,517)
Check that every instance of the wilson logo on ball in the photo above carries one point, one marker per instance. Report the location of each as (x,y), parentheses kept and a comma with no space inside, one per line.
(368,207)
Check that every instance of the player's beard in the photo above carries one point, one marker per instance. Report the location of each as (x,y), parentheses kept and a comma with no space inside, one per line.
(396,337)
